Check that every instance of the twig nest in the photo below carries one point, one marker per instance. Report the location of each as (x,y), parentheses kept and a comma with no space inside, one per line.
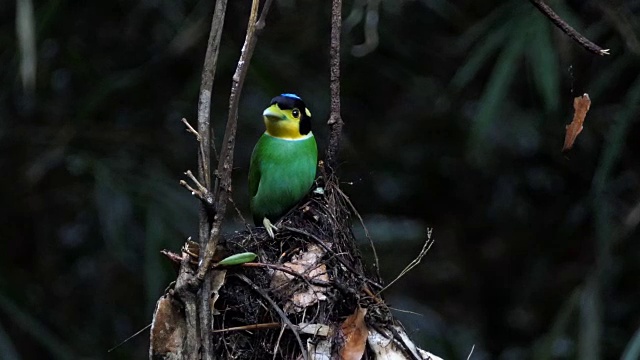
(308,294)
(321,285)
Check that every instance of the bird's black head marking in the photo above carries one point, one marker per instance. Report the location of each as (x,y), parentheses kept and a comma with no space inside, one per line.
(292,101)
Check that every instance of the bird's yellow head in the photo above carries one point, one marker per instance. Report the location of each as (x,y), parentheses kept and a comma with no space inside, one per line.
(287,117)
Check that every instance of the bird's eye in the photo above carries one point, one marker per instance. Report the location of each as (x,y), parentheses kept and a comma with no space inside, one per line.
(295,113)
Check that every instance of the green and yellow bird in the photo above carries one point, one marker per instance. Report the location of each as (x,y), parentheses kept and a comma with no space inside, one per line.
(283,163)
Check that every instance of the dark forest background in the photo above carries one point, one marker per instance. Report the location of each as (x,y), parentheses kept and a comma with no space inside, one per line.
(455,114)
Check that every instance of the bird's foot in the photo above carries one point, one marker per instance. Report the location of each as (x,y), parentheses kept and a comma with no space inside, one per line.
(269,227)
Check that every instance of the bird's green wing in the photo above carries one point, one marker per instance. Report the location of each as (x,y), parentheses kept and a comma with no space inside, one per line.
(254,170)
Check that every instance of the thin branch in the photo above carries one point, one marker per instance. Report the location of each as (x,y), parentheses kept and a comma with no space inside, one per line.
(191,130)
(337,256)
(201,192)
(129,338)
(567,29)
(223,189)
(275,307)
(471,352)
(335,119)
(235,207)
(289,271)
(366,231)
(276,346)
(272,325)
(425,249)
(263,16)
(205,136)
(204,99)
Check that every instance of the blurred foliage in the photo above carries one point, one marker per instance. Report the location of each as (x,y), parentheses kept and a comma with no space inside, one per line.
(455,115)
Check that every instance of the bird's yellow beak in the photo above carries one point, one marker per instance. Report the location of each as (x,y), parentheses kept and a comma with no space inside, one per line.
(274,113)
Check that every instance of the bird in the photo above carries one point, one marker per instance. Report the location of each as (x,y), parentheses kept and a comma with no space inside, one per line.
(283,162)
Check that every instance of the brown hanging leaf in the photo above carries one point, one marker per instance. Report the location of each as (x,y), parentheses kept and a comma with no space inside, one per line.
(581,106)
(354,332)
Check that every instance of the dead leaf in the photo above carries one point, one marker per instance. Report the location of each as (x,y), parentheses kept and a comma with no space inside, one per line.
(301,296)
(315,329)
(581,106)
(385,346)
(354,332)
(318,350)
(168,329)
(218,279)
(192,249)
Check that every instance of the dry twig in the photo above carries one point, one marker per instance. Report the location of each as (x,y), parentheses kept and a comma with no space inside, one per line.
(250,327)
(425,249)
(223,189)
(129,338)
(263,16)
(471,352)
(335,119)
(204,136)
(190,129)
(366,231)
(201,192)
(308,280)
(277,309)
(336,256)
(567,29)
(198,313)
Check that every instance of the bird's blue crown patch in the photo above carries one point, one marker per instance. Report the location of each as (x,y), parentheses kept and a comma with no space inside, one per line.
(291,96)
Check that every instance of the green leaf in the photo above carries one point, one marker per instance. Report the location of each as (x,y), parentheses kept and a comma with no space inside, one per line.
(616,137)
(495,93)
(490,34)
(479,57)
(632,351)
(33,327)
(590,321)
(544,348)
(444,8)
(614,144)
(238,259)
(609,76)
(484,26)
(115,211)
(7,349)
(544,63)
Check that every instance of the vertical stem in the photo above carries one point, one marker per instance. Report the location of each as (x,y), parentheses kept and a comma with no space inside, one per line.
(204,165)
(225,165)
(222,189)
(192,342)
(335,119)
(204,111)
(204,100)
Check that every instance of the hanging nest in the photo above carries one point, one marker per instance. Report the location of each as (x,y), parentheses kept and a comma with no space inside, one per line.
(308,294)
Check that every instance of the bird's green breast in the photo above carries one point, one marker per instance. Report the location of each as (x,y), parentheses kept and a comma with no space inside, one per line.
(281,173)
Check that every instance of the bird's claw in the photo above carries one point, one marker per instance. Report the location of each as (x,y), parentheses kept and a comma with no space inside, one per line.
(269,227)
